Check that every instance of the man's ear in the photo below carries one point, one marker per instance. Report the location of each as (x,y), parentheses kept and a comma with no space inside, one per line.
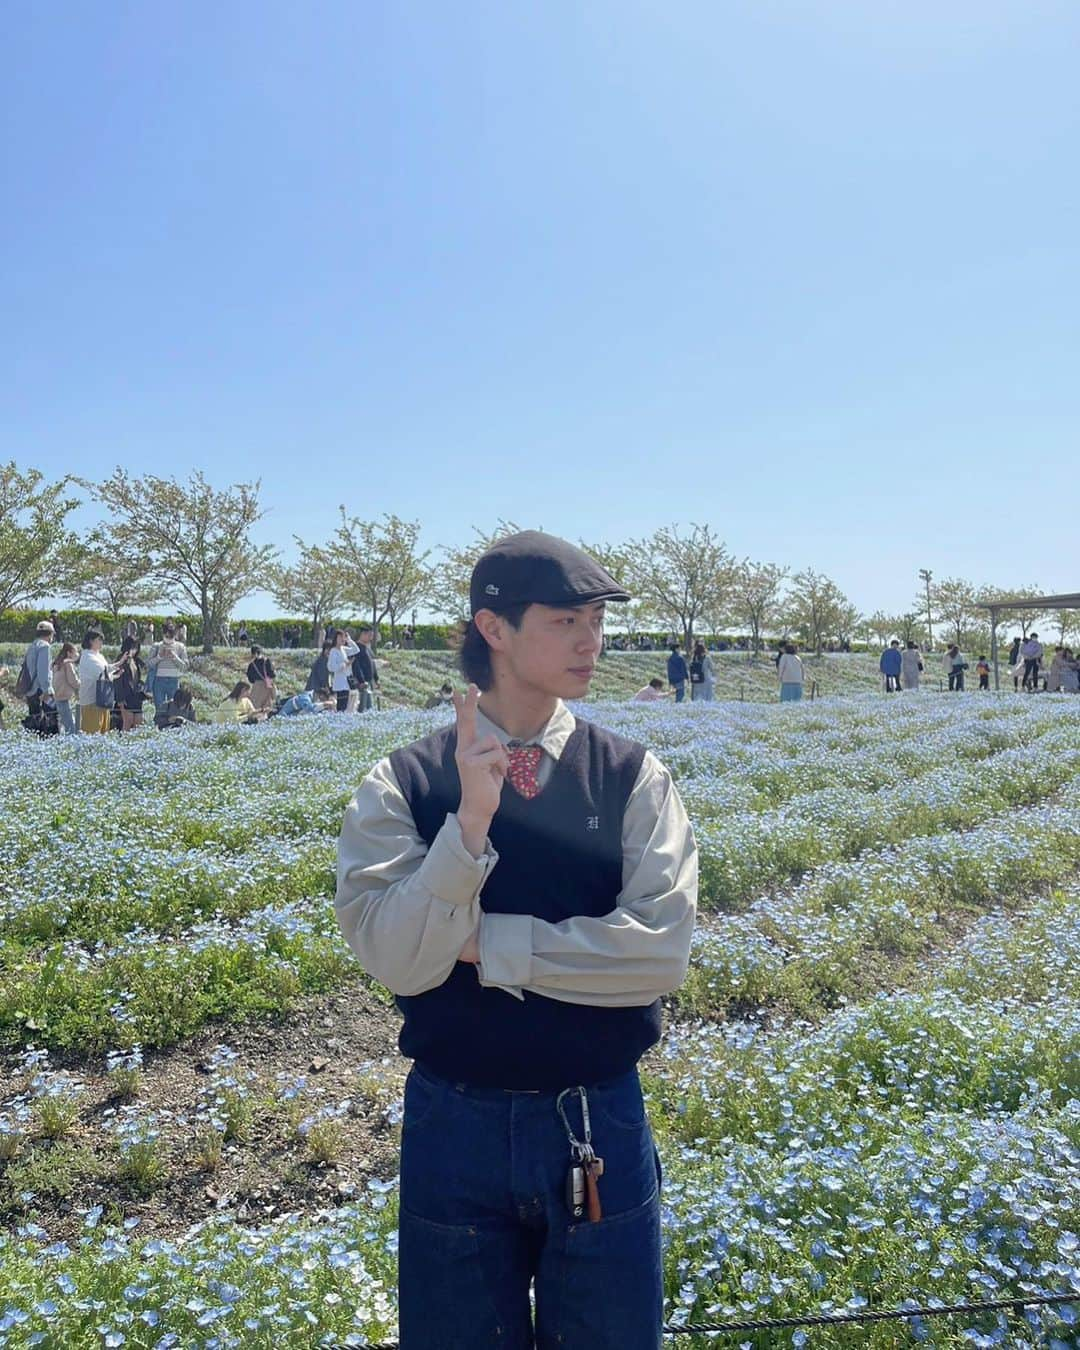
(491,627)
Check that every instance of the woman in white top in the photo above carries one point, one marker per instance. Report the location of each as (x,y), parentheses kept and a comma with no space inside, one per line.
(92,665)
(337,665)
(791,674)
(911,664)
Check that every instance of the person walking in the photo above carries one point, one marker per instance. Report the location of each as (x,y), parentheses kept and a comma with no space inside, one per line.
(702,676)
(364,670)
(65,676)
(337,665)
(1032,652)
(96,700)
(37,664)
(130,690)
(261,676)
(911,666)
(955,665)
(677,672)
(791,674)
(891,665)
(525,1010)
(168,661)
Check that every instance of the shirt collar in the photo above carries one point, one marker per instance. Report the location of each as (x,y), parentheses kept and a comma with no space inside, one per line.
(552,737)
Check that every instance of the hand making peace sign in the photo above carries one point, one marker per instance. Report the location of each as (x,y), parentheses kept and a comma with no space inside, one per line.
(482,763)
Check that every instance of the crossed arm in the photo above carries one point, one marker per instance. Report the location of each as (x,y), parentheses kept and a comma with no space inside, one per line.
(407,910)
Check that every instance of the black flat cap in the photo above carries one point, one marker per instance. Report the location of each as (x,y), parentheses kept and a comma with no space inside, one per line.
(532,568)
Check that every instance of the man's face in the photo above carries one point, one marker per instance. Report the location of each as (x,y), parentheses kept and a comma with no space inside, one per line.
(555,650)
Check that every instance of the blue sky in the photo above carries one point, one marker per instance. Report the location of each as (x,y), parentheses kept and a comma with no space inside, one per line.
(804,271)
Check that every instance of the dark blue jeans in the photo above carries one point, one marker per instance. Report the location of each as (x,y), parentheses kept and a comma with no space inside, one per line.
(483,1216)
(680,692)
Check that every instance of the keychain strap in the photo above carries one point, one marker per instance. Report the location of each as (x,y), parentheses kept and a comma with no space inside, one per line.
(581,1149)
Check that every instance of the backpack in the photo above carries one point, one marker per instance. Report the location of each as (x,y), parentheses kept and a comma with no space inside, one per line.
(25,680)
(697,672)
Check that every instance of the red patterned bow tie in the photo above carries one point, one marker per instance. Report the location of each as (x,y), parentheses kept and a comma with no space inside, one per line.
(524,762)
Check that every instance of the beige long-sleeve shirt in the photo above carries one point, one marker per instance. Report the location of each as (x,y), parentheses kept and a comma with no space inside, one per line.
(406,910)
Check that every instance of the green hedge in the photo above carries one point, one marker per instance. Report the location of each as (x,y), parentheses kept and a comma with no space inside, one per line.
(17,625)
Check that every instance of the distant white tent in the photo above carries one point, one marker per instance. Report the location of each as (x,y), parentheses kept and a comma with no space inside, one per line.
(1042,604)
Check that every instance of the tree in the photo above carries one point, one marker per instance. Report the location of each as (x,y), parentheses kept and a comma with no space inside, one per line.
(1067,622)
(681,581)
(382,573)
(815,607)
(450,578)
(881,625)
(196,539)
(312,585)
(112,577)
(38,555)
(1026,618)
(955,603)
(755,598)
(847,621)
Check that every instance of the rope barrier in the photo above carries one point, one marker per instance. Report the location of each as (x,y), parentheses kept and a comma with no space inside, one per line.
(1016,1305)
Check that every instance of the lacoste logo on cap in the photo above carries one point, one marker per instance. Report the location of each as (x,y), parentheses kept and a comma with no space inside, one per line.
(489,589)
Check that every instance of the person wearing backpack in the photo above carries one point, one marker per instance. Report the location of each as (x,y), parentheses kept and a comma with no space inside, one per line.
(96,695)
(35,679)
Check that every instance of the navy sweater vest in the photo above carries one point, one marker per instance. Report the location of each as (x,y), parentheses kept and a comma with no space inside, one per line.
(560,855)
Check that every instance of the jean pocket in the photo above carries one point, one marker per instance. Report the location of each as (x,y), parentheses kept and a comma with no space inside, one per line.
(422,1096)
(618,1103)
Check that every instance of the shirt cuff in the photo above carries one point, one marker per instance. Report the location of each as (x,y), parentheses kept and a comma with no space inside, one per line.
(450,872)
(506,951)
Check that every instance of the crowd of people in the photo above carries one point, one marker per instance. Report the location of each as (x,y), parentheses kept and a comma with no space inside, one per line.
(902,667)
(69,689)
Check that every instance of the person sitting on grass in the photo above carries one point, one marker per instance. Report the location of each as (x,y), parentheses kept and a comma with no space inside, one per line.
(443,699)
(236,706)
(652,692)
(177,712)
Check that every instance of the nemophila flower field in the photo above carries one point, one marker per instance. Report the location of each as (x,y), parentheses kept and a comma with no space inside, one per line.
(868,1090)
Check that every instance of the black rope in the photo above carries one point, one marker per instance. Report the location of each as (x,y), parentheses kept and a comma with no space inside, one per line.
(1017,1305)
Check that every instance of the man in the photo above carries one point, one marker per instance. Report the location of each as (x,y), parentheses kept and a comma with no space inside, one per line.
(677,672)
(364,670)
(1032,651)
(38,661)
(530,1007)
(890,665)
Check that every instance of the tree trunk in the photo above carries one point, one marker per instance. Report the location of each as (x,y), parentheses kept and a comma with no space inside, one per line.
(316,630)
(207,626)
